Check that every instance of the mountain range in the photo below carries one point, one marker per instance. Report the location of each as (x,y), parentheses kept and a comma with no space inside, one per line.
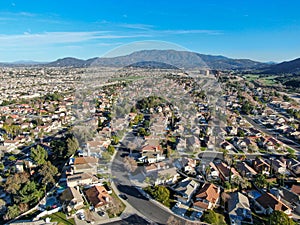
(180,59)
(173,58)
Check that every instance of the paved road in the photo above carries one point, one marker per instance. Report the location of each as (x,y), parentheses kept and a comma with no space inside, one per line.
(147,208)
(281,138)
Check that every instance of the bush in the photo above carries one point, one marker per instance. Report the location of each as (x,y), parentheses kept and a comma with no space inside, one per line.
(159,193)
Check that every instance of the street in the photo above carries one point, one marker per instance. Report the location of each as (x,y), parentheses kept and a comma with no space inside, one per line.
(135,199)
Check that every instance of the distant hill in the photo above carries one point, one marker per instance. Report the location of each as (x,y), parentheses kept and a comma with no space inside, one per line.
(68,62)
(288,67)
(152,65)
(178,59)
(181,59)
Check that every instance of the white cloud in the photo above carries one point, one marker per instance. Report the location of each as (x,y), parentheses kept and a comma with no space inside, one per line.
(50,38)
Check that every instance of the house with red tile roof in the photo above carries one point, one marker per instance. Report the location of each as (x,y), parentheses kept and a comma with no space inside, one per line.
(98,196)
(207,197)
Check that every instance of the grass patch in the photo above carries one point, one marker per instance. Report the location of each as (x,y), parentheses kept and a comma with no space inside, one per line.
(214,218)
(117,208)
(61,219)
(291,151)
(203,148)
(251,77)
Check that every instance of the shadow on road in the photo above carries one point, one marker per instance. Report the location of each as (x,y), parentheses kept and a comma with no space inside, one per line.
(131,191)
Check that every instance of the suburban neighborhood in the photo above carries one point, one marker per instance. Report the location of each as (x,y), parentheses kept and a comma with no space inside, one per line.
(205,147)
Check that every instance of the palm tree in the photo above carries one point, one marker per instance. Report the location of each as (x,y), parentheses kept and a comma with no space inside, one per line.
(207,171)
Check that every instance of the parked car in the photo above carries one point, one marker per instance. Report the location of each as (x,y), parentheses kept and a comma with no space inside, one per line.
(101,213)
(123,196)
(81,216)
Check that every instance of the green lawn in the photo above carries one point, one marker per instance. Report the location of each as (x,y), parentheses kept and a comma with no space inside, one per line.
(61,219)
(116,211)
(251,77)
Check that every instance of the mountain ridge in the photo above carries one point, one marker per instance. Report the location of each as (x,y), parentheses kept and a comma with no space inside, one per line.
(286,67)
(181,59)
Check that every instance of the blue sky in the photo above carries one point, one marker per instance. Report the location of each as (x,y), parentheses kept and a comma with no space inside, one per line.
(47,30)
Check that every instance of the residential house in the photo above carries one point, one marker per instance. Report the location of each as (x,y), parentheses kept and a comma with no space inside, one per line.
(239,209)
(231,130)
(98,196)
(85,165)
(288,197)
(84,168)
(255,132)
(245,170)
(267,203)
(293,165)
(71,199)
(225,171)
(261,166)
(97,146)
(81,179)
(227,146)
(213,172)
(19,165)
(187,165)
(85,160)
(167,176)
(152,154)
(296,189)
(279,167)
(269,143)
(207,197)
(184,190)
(193,143)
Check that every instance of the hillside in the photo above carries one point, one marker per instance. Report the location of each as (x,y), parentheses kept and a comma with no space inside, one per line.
(288,67)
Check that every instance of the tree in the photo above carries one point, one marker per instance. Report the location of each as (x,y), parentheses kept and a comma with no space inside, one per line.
(260,181)
(12,212)
(213,218)
(159,193)
(106,156)
(210,217)
(29,193)
(2,206)
(130,164)
(279,217)
(111,149)
(115,140)
(72,146)
(59,148)
(14,182)
(39,155)
(2,167)
(48,171)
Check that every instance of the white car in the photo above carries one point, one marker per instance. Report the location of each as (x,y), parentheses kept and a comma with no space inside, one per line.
(81,216)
